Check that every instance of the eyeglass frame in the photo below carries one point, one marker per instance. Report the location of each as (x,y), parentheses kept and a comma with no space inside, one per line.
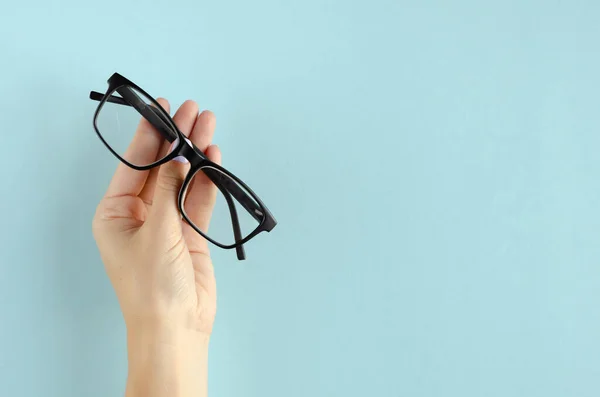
(164,124)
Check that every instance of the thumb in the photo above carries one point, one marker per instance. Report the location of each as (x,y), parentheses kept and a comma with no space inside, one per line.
(165,210)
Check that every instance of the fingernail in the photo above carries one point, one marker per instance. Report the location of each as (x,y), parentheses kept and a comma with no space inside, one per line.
(181,159)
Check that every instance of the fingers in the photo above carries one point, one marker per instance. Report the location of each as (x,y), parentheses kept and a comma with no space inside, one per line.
(214,154)
(164,212)
(163,188)
(202,193)
(143,150)
(184,118)
(204,129)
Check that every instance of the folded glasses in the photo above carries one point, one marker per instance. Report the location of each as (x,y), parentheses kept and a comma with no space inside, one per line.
(139,132)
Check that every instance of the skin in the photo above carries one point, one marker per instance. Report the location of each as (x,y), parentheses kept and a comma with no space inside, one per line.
(160,267)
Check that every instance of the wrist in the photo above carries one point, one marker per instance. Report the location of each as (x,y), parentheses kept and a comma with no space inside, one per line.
(166,361)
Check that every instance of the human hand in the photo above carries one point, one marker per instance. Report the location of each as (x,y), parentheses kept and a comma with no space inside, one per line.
(159,266)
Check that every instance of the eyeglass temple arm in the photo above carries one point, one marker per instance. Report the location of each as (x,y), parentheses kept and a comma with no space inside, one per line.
(162,126)
(98,96)
(237,233)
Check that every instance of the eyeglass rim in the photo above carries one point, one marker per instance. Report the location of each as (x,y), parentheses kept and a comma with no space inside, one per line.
(114,85)
(266,224)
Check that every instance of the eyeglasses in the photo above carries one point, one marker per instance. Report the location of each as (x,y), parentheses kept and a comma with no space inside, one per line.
(139,132)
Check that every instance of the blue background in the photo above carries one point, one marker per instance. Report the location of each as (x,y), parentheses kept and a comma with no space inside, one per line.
(433,166)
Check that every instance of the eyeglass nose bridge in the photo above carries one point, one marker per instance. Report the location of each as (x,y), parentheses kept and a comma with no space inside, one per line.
(192,153)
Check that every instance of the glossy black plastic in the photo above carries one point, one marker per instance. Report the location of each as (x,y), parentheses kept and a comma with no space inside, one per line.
(161,120)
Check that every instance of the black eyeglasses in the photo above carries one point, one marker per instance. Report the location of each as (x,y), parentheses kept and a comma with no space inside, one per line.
(143,143)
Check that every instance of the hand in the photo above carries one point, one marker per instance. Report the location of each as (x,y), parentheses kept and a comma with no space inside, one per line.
(159,266)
